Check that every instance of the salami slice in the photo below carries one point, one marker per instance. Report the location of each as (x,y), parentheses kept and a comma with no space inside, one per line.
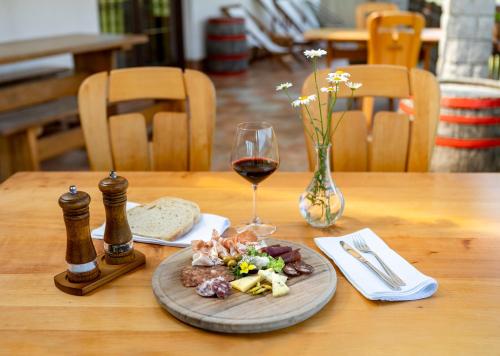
(291,256)
(290,270)
(214,287)
(303,267)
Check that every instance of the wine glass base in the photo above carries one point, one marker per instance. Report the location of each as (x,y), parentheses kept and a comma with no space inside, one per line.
(260,230)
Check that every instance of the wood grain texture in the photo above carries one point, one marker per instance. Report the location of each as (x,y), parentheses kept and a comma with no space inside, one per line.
(240,312)
(146,83)
(92,104)
(16,51)
(108,272)
(446,225)
(395,38)
(58,143)
(350,146)
(29,93)
(201,93)
(426,101)
(170,142)
(389,147)
(363,10)
(129,142)
(429,35)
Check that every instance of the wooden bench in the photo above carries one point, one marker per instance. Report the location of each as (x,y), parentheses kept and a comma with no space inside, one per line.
(25,108)
(30,74)
(36,98)
(20,130)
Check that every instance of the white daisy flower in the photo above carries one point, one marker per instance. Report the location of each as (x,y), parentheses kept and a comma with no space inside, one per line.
(283,86)
(312,53)
(338,77)
(303,100)
(328,89)
(353,86)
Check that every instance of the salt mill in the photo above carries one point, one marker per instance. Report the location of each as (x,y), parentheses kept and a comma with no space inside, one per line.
(80,251)
(118,244)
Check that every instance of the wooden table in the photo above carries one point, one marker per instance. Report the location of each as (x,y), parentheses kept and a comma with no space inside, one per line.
(92,53)
(447,225)
(430,38)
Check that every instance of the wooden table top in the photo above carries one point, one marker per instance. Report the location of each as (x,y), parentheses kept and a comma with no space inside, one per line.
(447,225)
(16,51)
(429,35)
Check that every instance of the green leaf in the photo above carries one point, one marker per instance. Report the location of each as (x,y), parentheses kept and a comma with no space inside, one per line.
(276,264)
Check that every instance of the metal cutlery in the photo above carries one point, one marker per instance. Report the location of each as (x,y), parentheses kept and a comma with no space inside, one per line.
(362,246)
(374,269)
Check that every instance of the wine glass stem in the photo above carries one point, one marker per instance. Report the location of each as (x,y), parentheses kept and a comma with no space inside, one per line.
(255,219)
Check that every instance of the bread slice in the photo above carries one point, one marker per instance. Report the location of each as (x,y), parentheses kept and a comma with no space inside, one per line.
(166,218)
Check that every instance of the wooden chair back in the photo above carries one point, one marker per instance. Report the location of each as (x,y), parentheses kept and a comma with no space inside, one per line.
(394,37)
(182,129)
(395,141)
(365,9)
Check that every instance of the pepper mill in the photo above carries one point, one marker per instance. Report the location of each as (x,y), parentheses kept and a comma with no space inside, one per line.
(80,251)
(118,244)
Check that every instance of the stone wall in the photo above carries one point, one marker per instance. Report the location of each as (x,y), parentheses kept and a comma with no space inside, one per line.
(466,44)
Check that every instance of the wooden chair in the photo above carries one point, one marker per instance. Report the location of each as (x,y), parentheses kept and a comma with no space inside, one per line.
(395,141)
(365,9)
(394,38)
(182,132)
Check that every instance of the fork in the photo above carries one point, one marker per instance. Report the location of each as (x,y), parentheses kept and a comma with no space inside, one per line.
(362,246)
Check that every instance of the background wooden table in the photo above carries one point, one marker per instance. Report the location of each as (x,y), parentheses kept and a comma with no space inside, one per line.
(430,38)
(447,225)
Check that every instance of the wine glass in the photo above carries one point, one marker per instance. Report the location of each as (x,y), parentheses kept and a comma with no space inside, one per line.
(255,157)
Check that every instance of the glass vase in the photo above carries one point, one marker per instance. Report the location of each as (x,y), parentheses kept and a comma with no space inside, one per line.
(322,203)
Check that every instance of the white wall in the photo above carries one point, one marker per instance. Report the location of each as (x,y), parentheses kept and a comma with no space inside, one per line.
(27,19)
(196,13)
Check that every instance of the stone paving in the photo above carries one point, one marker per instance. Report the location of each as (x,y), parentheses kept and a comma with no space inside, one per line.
(252,97)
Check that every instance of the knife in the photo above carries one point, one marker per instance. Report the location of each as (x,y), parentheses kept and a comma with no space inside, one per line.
(374,269)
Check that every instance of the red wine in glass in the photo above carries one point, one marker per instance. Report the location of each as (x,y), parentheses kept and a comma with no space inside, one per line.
(255,157)
(255,170)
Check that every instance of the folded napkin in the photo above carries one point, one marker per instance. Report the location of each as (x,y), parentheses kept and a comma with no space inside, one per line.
(201,231)
(418,285)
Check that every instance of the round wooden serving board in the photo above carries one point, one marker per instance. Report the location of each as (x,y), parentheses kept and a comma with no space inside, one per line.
(240,312)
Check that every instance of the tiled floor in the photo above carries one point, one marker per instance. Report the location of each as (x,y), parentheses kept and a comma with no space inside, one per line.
(247,97)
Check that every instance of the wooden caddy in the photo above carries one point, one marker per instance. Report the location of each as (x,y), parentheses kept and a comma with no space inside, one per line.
(108,273)
(87,270)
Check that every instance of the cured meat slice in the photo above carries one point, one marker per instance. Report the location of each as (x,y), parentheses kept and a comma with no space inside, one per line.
(278,250)
(218,287)
(291,256)
(290,270)
(303,267)
(191,276)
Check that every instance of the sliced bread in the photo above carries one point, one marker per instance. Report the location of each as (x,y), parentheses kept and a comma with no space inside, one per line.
(166,218)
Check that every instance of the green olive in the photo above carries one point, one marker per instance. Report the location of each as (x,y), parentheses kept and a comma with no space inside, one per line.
(226,259)
(231,263)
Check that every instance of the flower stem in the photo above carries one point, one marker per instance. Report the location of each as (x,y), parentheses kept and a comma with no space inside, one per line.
(315,68)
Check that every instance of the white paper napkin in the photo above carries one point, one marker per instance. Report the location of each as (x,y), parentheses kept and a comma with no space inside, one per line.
(418,285)
(201,231)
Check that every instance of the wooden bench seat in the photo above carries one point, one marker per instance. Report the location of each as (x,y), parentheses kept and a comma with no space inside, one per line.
(20,130)
(18,76)
(12,122)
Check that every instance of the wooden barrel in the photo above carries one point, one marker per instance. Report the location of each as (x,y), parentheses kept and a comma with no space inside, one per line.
(468,134)
(227,50)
